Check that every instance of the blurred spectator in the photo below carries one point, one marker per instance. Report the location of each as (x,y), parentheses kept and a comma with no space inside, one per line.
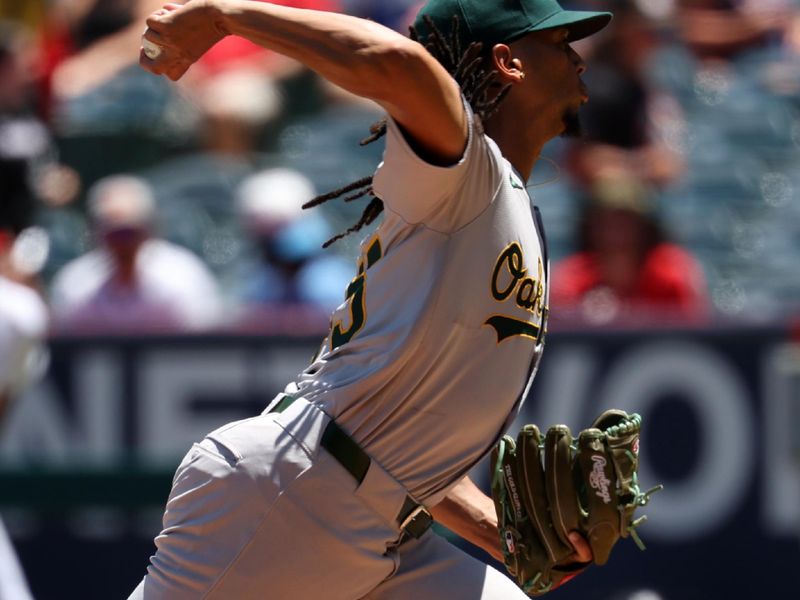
(23,319)
(105,37)
(30,12)
(23,323)
(236,106)
(723,28)
(197,189)
(93,40)
(24,139)
(627,120)
(625,268)
(290,267)
(26,154)
(133,281)
(236,53)
(29,172)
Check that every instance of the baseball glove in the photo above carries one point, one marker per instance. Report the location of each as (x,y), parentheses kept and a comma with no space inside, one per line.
(546,487)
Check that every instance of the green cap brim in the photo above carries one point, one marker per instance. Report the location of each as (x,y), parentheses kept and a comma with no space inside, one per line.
(580,23)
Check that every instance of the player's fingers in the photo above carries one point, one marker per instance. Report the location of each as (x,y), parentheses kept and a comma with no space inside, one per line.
(164,65)
(147,64)
(157,38)
(154,36)
(156,20)
(155,66)
(160,16)
(583,552)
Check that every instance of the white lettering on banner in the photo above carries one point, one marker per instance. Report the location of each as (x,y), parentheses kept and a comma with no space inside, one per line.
(718,484)
(169,382)
(98,394)
(40,429)
(43,427)
(598,479)
(781,480)
(576,382)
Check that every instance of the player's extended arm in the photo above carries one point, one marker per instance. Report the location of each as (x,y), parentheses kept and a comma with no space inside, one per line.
(360,56)
(469,513)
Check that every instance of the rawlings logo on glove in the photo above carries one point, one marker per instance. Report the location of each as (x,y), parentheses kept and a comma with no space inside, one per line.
(598,479)
(546,487)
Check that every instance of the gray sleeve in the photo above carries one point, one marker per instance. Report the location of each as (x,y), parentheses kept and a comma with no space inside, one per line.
(442,198)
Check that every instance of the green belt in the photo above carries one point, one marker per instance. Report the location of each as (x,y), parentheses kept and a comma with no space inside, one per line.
(413,518)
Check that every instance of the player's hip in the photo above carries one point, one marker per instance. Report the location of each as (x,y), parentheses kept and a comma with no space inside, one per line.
(260,505)
(279,456)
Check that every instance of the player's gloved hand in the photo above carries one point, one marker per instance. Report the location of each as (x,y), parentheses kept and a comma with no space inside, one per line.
(563,502)
(183,32)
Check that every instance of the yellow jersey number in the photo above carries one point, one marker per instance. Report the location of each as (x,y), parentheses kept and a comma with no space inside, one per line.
(355,296)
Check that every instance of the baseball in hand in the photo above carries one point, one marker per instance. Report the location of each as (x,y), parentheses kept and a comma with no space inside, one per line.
(151,50)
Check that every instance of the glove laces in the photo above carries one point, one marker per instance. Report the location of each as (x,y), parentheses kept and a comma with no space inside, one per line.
(639,499)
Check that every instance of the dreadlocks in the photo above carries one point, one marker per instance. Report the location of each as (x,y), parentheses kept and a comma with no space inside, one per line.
(468,68)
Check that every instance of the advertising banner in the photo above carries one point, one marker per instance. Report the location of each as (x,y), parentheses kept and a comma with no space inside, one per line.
(87,456)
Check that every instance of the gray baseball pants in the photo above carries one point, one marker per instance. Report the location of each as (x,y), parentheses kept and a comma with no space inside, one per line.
(260,510)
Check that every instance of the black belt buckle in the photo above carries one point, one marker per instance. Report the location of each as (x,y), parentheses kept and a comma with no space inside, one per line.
(417,522)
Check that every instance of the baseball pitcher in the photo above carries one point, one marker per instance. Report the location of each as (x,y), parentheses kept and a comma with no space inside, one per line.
(330,492)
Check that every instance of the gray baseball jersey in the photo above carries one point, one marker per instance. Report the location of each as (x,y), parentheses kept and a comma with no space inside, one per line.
(426,361)
(429,357)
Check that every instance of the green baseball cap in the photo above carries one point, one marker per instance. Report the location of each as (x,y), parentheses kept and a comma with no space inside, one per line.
(503,21)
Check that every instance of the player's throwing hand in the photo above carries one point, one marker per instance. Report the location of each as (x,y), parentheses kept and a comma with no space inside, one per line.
(177,36)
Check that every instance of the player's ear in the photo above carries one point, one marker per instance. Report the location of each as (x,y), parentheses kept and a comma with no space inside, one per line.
(508,67)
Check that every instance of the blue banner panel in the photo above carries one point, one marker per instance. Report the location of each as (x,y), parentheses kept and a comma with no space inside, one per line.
(87,456)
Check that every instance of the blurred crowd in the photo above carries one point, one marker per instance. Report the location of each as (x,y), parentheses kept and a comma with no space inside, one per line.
(135,204)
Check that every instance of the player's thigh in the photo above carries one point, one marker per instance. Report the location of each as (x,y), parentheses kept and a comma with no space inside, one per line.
(213,510)
(253,515)
(433,569)
(319,541)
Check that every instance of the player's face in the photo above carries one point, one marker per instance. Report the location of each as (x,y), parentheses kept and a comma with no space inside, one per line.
(552,91)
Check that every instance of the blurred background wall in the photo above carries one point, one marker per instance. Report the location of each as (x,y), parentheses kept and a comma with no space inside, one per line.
(161,224)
